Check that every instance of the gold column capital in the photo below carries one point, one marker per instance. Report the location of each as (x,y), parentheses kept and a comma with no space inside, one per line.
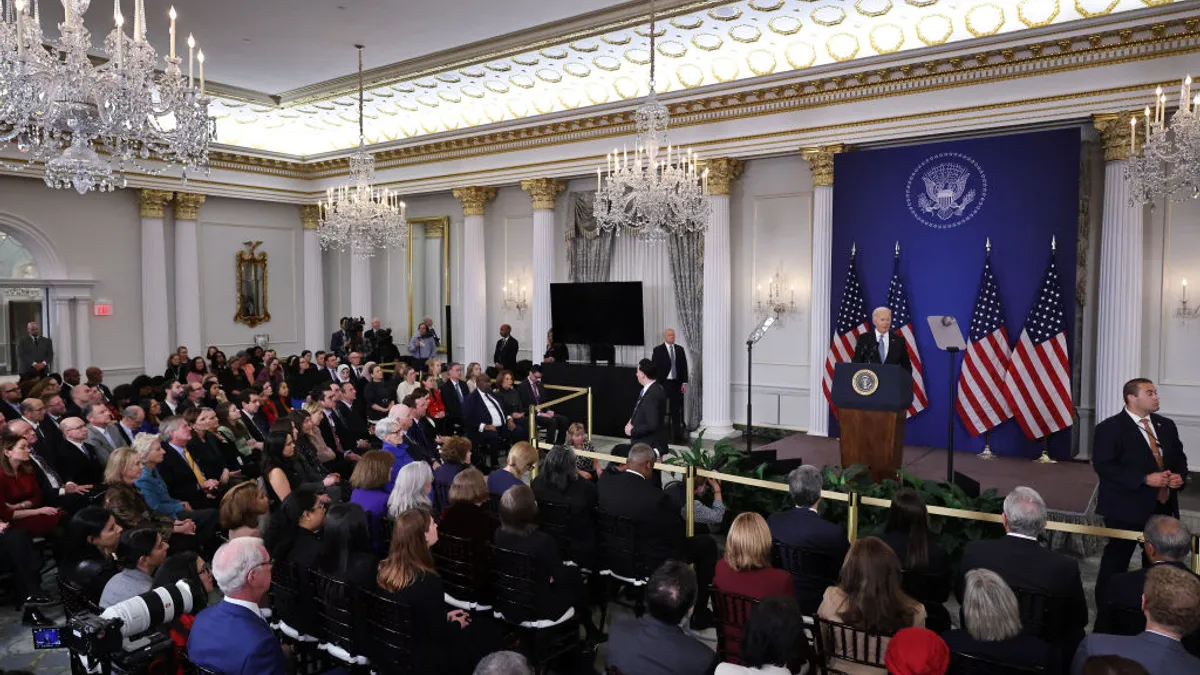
(474,199)
(1115,129)
(152,202)
(544,192)
(820,160)
(722,171)
(187,205)
(310,216)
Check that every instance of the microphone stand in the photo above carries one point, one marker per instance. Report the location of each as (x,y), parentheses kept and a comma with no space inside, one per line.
(950,351)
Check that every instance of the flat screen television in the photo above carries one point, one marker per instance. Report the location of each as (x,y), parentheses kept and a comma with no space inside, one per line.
(608,313)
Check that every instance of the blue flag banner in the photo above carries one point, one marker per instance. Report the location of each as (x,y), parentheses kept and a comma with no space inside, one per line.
(942,202)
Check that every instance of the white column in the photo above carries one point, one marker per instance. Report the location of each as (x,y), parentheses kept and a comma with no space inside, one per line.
(187,272)
(83,333)
(314,287)
(64,336)
(360,287)
(155,323)
(474,274)
(821,332)
(1118,320)
(717,355)
(544,192)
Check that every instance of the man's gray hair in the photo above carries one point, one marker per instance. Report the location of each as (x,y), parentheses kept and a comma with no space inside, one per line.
(804,484)
(990,611)
(1025,511)
(28,404)
(170,426)
(90,408)
(503,663)
(132,412)
(642,452)
(879,310)
(234,560)
(1170,537)
(386,427)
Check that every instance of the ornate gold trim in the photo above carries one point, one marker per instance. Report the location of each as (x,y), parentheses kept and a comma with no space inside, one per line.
(820,162)
(722,172)
(251,257)
(544,192)
(1115,129)
(187,205)
(474,199)
(440,225)
(310,216)
(152,203)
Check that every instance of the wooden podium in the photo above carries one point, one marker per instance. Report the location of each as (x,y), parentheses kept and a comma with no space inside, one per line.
(872,402)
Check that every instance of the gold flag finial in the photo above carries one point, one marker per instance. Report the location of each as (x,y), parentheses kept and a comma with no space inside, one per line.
(988,244)
(1053,243)
(853,248)
(897,248)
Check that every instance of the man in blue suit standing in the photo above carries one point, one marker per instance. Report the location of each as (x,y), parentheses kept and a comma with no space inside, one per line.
(1171,603)
(232,637)
(802,527)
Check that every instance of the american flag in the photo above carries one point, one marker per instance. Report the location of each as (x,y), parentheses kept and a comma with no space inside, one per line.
(981,403)
(1037,383)
(851,322)
(898,302)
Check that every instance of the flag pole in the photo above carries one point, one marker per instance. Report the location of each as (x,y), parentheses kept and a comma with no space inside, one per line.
(1045,456)
(987,446)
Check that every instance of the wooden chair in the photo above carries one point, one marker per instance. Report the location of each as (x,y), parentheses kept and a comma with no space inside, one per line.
(621,559)
(391,648)
(74,600)
(1042,615)
(968,664)
(338,627)
(293,616)
(731,611)
(441,497)
(555,519)
(836,640)
(462,564)
(516,588)
(808,567)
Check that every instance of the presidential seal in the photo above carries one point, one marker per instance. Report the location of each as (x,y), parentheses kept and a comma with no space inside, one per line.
(865,382)
(946,190)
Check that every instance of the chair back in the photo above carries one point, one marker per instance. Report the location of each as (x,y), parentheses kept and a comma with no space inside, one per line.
(925,586)
(731,611)
(514,585)
(837,640)
(391,648)
(969,664)
(74,600)
(620,546)
(462,564)
(1042,615)
(493,504)
(335,612)
(441,497)
(289,599)
(555,520)
(810,568)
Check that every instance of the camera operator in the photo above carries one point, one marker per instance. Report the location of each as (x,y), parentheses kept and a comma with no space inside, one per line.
(337,343)
(232,637)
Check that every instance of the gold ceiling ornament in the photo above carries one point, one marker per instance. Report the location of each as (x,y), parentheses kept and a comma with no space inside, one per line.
(544,192)
(722,172)
(842,46)
(785,25)
(474,199)
(152,202)
(1037,13)
(926,3)
(1087,12)
(761,62)
(728,13)
(873,8)
(800,55)
(187,205)
(985,19)
(820,161)
(310,216)
(887,38)
(1114,128)
(828,15)
(766,5)
(934,29)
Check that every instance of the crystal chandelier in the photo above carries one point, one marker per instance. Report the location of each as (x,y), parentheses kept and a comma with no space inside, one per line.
(86,123)
(656,193)
(358,216)
(1169,164)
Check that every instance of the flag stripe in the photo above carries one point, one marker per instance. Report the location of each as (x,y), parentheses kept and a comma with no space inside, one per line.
(981,401)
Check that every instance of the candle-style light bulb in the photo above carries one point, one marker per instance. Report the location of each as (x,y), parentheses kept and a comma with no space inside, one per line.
(173,16)
(120,21)
(1185,290)
(200,58)
(191,42)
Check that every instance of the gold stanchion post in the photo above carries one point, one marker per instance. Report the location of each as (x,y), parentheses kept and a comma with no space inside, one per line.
(691,501)
(852,518)
(1045,456)
(987,447)
(589,419)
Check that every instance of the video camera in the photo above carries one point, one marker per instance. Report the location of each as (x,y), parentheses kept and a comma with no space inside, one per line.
(127,635)
(353,328)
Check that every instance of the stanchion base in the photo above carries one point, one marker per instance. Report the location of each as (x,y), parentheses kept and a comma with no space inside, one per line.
(987,454)
(1045,459)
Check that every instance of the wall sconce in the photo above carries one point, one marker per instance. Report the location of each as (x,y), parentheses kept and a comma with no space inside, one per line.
(1184,312)
(777,297)
(516,297)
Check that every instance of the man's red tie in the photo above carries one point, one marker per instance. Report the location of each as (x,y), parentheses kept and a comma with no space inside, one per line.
(1164,493)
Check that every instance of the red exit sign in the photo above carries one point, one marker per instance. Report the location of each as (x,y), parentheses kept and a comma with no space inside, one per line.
(103,310)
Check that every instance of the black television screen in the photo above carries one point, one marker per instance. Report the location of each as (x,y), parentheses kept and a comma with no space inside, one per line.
(608,313)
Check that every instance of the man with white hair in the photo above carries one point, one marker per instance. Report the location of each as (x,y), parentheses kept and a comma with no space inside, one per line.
(503,663)
(882,345)
(1028,567)
(232,637)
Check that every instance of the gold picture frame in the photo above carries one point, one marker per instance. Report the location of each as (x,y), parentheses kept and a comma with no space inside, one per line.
(250,294)
(430,227)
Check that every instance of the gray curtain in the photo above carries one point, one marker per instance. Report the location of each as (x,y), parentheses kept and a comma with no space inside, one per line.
(589,250)
(686,253)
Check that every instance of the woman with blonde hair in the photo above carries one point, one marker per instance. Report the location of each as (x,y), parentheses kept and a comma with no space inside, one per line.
(408,381)
(129,506)
(473,371)
(242,510)
(746,569)
(521,458)
(312,433)
(414,482)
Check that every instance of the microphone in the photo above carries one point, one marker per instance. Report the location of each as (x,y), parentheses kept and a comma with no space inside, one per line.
(947,321)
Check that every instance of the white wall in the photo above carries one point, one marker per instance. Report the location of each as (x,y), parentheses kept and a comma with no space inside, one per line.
(508,230)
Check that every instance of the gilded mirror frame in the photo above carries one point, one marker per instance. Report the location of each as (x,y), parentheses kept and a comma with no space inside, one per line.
(250,256)
(429,224)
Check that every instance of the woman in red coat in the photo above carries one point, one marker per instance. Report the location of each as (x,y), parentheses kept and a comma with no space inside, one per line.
(746,570)
(20,491)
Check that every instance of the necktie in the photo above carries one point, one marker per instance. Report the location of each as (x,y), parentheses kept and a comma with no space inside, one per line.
(883,347)
(47,469)
(187,457)
(671,351)
(457,391)
(537,395)
(1164,493)
(337,440)
(87,449)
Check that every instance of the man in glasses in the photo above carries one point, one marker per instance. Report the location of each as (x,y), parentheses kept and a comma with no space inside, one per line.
(11,407)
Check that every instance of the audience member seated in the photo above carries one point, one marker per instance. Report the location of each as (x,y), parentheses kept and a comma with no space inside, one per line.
(868,597)
(1167,542)
(444,640)
(231,428)
(533,392)
(521,458)
(992,626)
(436,413)
(704,515)
(157,495)
(140,553)
(243,508)
(75,459)
(577,438)
(311,451)
(1111,664)
(131,509)
(802,527)
(215,455)
(772,639)
(412,490)
(503,663)
(632,494)
(509,398)
(422,436)
(486,423)
(19,489)
(746,569)
(456,458)
(655,644)
(25,568)
(293,533)
(1171,603)
(284,473)
(181,471)
(559,482)
(390,431)
(89,550)
(916,651)
(1025,565)
(467,516)
(231,637)
(926,566)
(151,409)
(559,586)
(346,546)
(369,481)
(190,567)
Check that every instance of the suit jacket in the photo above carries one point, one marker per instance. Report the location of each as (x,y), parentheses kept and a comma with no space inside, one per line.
(454,409)
(1158,654)
(629,495)
(506,353)
(101,443)
(76,467)
(356,426)
(867,350)
(647,418)
(1122,458)
(662,361)
(50,431)
(180,480)
(332,435)
(1124,591)
(525,391)
(231,639)
(10,413)
(337,343)
(647,646)
(1023,651)
(29,353)
(802,528)
(1025,564)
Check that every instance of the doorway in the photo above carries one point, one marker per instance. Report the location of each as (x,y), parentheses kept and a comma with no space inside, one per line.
(20,313)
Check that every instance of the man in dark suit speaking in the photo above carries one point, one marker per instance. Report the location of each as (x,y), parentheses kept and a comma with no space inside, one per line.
(1139,458)
(882,345)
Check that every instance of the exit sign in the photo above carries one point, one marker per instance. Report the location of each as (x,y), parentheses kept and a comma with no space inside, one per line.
(103,310)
